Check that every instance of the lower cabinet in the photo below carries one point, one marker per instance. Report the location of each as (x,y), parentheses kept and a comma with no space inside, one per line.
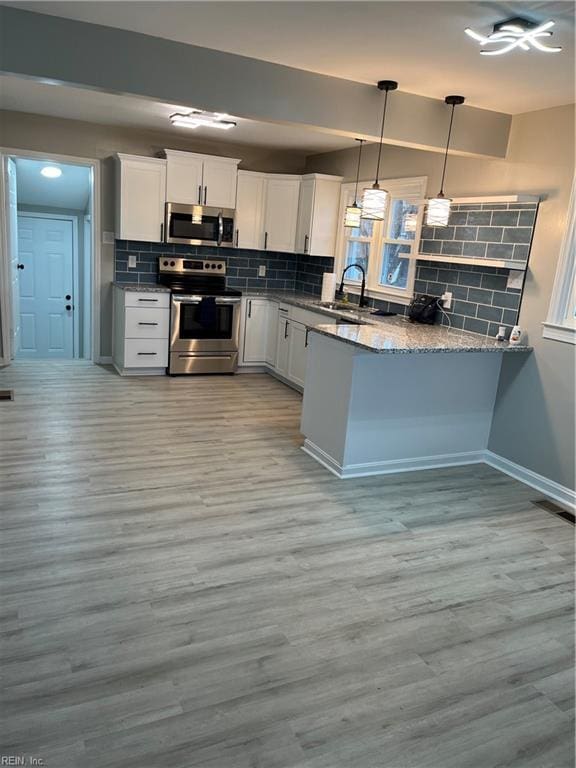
(275,335)
(141,330)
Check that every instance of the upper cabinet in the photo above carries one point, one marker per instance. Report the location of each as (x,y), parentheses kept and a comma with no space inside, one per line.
(140,198)
(318,211)
(267,211)
(281,212)
(250,210)
(201,179)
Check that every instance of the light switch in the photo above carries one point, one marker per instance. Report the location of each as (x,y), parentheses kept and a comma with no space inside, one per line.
(132,261)
(515,279)
(262,270)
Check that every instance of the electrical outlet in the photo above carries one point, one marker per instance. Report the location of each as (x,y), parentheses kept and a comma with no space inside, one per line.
(132,261)
(446,300)
(262,270)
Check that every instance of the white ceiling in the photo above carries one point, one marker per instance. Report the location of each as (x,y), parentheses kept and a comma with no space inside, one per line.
(23,95)
(420,44)
(71,190)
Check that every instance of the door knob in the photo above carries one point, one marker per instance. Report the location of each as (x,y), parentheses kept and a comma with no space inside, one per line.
(20,266)
(68,307)
(68,297)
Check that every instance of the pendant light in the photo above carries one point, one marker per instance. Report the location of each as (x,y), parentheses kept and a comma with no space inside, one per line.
(353,212)
(374,199)
(438,211)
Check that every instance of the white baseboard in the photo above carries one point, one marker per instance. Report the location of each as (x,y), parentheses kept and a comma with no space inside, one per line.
(394,465)
(550,488)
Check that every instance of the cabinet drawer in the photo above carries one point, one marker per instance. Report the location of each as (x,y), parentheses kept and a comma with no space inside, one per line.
(146,353)
(307,317)
(145,299)
(146,323)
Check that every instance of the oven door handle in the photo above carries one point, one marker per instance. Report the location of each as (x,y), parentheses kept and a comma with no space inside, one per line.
(220,227)
(198,299)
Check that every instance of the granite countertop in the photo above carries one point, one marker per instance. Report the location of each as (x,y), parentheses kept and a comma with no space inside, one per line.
(142,287)
(397,335)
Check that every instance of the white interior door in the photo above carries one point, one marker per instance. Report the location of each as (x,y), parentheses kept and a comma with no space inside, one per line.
(13,251)
(46,252)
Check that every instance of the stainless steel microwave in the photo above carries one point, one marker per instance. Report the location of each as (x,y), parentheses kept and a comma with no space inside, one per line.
(199,225)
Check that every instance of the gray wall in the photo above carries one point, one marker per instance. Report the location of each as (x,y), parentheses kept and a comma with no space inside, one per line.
(534,418)
(20,130)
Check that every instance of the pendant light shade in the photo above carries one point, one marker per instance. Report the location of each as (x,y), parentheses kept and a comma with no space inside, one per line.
(353,212)
(374,199)
(438,210)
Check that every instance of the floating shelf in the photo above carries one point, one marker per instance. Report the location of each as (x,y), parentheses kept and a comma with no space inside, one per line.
(520,266)
(497,199)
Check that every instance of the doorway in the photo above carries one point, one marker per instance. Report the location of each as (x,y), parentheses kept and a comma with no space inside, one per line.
(50,302)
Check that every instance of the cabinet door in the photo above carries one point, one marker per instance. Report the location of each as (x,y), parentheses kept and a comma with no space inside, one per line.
(297,353)
(272,335)
(184,178)
(282,342)
(141,198)
(324,221)
(305,208)
(255,331)
(281,213)
(249,210)
(219,188)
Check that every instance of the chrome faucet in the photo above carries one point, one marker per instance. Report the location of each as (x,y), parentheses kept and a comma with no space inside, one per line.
(363,302)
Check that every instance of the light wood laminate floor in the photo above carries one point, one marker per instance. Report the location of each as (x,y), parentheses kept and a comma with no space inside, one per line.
(182,586)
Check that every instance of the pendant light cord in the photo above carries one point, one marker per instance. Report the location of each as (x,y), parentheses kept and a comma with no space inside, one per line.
(358,172)
(381,139)
(446,153)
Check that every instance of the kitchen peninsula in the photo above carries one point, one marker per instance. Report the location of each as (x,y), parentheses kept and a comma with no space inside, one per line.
(393,396)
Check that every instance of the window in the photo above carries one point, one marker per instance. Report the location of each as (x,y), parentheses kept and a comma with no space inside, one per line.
(385,249)
(561,322)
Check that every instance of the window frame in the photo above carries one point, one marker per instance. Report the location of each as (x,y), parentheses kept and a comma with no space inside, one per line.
(560,325)
(412,189)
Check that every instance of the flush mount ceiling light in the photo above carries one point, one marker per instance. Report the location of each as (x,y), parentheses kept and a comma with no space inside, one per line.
(439,207)
(354,211)
(198,119)
(374,199)
(51,172)
(515,33)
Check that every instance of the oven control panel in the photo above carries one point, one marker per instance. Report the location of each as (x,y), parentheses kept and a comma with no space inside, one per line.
(188,265)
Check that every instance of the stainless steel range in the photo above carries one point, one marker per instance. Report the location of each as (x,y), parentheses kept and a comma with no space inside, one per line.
(204,315)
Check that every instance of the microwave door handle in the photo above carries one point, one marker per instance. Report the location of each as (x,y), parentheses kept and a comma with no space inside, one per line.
(220,228)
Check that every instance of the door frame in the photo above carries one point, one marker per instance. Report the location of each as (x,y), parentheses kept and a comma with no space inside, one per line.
(95,255)
(75,270)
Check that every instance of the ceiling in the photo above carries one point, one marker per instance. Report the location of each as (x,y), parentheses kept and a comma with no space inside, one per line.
(71,190)
(23,95)
(420,44)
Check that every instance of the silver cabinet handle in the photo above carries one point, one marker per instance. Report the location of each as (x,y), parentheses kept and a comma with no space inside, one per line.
(250,308)
(205,194)
(147,323)
(305,243)
(265,240)
(148,300)
(237,237)
(306,339)
(199,194)
(147,353)
(286,330)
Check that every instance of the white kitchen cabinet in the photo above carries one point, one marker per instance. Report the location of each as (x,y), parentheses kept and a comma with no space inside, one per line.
(281,212)
(318,211)
(140,198)
(282,341)
(141,328)
(256,317)
(194,179)
(272,336)
(250,210)
(297,348)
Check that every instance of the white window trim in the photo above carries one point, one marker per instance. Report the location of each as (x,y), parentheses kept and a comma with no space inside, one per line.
(560,324)
(412,188)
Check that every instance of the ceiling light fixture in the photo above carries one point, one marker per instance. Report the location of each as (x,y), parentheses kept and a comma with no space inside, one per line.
(375,200)
(354,211)
(515,33)
(438,210)
(51,172)
(199,119)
